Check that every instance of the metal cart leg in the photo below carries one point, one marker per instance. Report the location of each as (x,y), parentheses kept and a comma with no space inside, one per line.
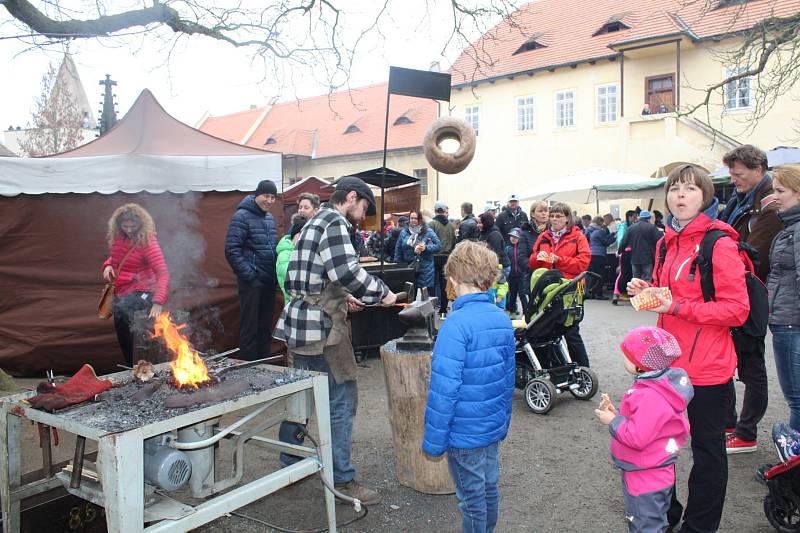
(324,426)
(121,461)
(10,470)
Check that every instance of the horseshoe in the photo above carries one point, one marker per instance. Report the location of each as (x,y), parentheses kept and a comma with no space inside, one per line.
(443,129)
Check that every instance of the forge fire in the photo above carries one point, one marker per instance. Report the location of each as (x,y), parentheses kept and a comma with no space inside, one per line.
(188,369)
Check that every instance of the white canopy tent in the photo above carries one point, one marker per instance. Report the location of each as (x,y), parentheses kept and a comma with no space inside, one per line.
(583,187)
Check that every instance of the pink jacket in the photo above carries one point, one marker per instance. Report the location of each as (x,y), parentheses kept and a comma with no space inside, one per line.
(650,429)
(144,270)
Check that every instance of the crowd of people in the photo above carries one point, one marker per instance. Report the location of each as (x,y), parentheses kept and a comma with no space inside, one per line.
(710,258)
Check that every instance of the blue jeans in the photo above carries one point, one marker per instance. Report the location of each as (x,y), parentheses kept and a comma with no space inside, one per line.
(475,473)
(343,404)
(786,347)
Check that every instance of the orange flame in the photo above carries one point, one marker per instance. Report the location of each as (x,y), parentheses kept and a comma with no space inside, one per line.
(187,367)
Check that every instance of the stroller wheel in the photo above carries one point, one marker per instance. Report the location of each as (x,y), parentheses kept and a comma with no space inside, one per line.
(539,395)
(586,380)
(784,517)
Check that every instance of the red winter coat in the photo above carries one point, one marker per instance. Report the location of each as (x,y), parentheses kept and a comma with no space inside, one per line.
(144,270)
(573,252)
(703,328)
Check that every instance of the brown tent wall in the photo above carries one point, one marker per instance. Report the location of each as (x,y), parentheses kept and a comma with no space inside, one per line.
(52,247)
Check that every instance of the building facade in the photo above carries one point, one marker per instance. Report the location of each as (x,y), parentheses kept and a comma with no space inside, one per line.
(570,88)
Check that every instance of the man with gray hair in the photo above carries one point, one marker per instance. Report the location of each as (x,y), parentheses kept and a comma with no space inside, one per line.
(441,226)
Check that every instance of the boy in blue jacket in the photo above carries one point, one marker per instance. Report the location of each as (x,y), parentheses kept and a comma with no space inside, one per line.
(472,386)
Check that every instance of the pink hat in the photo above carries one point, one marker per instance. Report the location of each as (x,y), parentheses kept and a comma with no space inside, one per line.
(650,348)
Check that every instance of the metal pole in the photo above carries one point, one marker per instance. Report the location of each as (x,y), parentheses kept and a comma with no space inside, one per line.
(383,177)
(77,462)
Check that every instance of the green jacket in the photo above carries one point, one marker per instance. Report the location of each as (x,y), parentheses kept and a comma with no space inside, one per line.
(445,231)
(284,249)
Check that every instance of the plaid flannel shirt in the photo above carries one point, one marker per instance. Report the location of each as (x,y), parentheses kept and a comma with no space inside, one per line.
(323,254)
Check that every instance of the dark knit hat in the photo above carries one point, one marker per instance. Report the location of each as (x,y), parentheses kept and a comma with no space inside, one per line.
(266,187)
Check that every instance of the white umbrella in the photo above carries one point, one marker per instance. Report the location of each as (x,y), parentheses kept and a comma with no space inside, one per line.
(581,186)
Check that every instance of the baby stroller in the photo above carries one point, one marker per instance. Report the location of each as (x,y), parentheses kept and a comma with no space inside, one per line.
(782,504)
(543,365)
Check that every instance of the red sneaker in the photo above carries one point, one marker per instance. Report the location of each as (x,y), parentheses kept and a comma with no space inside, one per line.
(729,431)
(734,444)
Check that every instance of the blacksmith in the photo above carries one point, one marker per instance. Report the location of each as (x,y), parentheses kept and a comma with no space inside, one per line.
(250,251)
(324,282)
(753,213)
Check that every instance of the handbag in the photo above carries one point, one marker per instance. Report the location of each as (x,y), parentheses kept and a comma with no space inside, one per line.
(415,264)
(105,307)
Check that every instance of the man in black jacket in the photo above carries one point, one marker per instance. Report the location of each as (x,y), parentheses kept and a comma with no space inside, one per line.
(511,217)
(642,237)
(250,251)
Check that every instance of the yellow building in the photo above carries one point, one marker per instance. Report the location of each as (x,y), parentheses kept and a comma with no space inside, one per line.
(564,87)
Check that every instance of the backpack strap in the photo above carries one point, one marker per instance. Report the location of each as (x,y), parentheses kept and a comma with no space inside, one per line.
(705,261)
(662,257)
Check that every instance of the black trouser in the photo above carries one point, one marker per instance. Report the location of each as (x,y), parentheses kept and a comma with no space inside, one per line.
(440,281)
(256,302)
(753,373)
(577,350)
(124,307)
(518,286)
(612,261)
(596,266)
(709,476)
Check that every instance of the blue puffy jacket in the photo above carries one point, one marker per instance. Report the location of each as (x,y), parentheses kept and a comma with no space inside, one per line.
(472,378)
(403,253)
(599,239)
(250,243)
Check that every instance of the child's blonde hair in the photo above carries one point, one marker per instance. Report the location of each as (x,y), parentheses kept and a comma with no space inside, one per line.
(473,263)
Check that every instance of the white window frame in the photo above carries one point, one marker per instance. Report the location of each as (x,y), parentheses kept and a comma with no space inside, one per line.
(472,114)
(602,103)
(525,113)
(562,122)
(737,86)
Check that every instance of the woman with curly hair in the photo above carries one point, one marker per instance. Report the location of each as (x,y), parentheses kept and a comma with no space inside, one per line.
(137,268)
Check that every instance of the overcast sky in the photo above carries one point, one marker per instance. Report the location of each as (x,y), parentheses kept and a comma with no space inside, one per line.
(207,75)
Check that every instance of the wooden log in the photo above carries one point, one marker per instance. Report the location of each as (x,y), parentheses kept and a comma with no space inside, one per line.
(408,376)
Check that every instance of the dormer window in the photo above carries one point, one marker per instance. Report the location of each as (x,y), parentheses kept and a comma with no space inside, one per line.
(533,43)
(352,128)
(402,119)
(271,140)
(613,25)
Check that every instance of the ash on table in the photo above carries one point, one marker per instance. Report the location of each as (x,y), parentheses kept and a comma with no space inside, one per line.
(118,411)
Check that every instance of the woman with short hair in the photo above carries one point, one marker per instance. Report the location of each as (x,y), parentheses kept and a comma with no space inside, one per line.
(702,329)
(416,244)
(137,268)
(563,246)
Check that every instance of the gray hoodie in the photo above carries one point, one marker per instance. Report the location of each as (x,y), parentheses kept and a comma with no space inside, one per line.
(784,276)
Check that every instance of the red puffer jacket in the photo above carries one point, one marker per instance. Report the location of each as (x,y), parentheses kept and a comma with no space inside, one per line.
(703,328)
(144,270)
(573,252)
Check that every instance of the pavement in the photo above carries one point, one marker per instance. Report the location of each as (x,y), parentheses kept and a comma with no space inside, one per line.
(556,474)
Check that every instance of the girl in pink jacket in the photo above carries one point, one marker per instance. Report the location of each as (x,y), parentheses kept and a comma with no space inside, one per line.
(650,426)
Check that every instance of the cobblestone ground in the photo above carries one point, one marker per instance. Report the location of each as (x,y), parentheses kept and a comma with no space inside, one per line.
(555,469)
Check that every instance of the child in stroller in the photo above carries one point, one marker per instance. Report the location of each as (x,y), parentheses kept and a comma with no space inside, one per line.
(544,367)
(782,503)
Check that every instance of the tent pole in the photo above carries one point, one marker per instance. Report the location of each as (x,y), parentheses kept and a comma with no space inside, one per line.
(597,200)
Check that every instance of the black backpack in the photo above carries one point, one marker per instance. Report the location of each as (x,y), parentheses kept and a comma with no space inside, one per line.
(756,323)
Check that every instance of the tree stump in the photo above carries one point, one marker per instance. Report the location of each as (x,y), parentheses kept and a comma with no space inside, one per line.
(408,376)
(153,349)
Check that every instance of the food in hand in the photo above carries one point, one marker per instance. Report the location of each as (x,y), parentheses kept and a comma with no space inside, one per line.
(605,401)
(648,298)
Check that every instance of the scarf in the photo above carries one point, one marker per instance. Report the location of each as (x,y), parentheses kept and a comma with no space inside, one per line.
(557,235)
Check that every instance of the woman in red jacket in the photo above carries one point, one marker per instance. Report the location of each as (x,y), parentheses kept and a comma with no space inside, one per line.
(563,246)
(142,280)
(703,333)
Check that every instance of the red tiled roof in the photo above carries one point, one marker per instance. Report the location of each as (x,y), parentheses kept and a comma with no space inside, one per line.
(315,126)
(567,27)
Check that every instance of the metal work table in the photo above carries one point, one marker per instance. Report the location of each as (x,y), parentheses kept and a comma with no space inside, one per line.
(120,461)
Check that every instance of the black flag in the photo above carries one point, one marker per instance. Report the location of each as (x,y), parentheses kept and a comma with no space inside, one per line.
(419,83)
